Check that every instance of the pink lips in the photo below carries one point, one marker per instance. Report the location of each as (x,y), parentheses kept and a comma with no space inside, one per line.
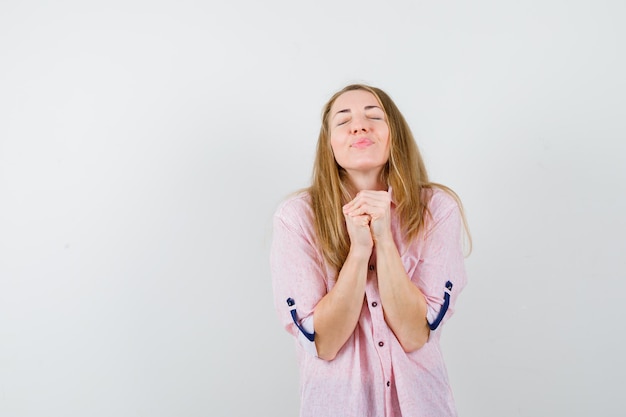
(362,143)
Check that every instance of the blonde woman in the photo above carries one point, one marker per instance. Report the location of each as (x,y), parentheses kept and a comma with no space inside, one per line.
(367,264)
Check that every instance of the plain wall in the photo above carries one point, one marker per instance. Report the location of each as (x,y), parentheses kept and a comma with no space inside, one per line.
(144,146)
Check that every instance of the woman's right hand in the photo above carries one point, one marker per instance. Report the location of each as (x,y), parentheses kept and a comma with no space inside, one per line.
(359,232)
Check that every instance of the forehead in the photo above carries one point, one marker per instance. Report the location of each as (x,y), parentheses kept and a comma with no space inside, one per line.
(354,99)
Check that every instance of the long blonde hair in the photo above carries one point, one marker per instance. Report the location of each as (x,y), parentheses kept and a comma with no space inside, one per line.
(405,172)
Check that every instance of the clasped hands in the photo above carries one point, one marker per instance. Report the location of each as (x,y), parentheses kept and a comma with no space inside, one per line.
(368,218)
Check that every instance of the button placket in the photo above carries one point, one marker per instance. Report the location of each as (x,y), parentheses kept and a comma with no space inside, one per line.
(380,332)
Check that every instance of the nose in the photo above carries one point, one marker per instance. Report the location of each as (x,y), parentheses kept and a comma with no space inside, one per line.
(359,124)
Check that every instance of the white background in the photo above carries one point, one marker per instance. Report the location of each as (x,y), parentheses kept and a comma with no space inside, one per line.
(144,146)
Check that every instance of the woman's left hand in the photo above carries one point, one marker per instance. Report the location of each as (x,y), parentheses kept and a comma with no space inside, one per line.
(377,205)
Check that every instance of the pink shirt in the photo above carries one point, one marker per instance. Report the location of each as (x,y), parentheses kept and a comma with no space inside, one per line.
(371,375)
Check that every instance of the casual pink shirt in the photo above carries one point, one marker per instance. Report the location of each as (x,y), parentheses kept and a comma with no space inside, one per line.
(371,376)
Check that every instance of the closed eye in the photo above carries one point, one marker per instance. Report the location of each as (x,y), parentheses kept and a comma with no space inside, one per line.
(373,114)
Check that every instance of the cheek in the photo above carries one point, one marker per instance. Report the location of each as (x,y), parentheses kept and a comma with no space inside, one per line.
(338,150)
(335,144)
(387,147)
(384,135)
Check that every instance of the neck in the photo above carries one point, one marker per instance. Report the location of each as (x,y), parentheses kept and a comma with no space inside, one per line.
(360,181)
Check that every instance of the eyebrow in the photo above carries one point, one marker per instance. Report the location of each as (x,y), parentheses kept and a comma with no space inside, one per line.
(366,108)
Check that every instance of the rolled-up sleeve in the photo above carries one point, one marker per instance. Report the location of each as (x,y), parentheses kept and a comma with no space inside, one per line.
(298,272)
(441,270)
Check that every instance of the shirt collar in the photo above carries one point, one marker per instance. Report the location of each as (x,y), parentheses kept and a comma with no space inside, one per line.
(390,191)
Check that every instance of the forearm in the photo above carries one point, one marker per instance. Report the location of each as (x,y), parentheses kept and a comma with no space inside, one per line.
(403,303)
(337,313)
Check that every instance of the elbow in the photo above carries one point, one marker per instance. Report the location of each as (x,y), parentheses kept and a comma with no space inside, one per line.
(412,347)
(416,342)
(327,357)
(326,354)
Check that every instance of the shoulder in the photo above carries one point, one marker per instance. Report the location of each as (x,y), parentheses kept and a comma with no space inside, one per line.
(442,204)
(295,209)
(440,201)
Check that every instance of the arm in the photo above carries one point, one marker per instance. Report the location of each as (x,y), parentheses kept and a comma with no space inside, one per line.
(337,313)
(298,272)
(403,303)
(440,273)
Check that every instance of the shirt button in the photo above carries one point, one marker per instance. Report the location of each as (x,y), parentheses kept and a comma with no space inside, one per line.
(374,304)
(388,383)
(381,344)
(371,267)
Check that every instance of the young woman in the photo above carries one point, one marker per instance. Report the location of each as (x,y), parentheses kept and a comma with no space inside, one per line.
(367,264)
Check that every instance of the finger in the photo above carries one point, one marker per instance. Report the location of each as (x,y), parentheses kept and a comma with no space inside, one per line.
(360,210)
(362,220)
(371,210)
(368,202)
(377,199)
(381,198)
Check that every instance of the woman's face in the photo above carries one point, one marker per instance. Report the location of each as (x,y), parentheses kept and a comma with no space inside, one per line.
(359,133)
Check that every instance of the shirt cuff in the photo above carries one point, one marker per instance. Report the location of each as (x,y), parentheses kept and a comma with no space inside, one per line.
(432,313)
(308,345)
